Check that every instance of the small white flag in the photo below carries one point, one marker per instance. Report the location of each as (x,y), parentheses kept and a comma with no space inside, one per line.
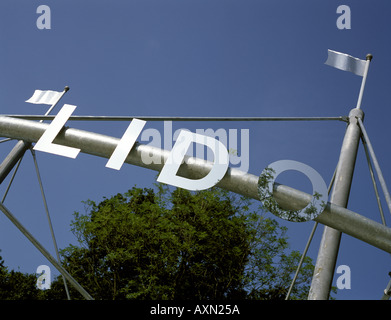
(345,62)
(44,97)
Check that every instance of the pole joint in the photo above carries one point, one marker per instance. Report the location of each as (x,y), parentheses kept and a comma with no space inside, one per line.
(355,114)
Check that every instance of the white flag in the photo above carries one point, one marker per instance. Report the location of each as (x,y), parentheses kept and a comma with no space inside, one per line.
(44,97)
(346,62)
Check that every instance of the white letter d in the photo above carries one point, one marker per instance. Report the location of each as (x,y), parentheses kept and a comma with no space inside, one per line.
(175,158)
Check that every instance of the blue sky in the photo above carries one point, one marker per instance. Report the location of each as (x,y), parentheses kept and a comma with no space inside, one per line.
(195,58)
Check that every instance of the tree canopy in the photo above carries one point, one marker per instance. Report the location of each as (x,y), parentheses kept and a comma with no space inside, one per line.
(162,244)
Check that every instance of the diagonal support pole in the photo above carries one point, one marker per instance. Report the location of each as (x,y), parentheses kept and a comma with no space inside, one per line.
(307,245)
(47,255)
(376,165)
(12,158)
(331,238)
(21,147)
(11,180)
(373,181)
(48,217)
(329,246)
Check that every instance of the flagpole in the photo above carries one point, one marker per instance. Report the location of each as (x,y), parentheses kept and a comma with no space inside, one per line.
(331,238)
(364,80)
(66,89)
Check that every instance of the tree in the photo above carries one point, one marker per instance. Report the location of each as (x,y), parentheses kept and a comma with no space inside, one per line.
(156,244)
(15,285)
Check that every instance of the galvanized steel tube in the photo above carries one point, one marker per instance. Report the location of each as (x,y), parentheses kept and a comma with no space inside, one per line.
(236,181)
(329,246)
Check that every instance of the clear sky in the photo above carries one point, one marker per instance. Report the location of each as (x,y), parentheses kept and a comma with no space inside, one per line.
(195,58)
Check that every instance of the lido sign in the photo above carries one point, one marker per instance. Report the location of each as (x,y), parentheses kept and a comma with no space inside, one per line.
(219,167)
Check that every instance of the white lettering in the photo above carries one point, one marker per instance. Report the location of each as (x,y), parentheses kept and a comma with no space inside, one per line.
(177,155)
(125,144)
(45,143)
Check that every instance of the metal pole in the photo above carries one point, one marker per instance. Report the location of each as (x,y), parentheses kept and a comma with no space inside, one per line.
(331,238)
(307,245)
(373,181)
(376,165)
(237,181)
(301,260)
(364,80)
(66,89)
(11,180)
(21,147)
(48,256)
(12,158)
(328,251)
(48,217)
(162,118)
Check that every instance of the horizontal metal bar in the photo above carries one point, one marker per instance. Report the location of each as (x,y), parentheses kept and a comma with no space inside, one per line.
(158,118)
(235,180)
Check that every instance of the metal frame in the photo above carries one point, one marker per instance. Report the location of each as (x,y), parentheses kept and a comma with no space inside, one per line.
(336,217)
(329,246)
(235,180)
(161,118)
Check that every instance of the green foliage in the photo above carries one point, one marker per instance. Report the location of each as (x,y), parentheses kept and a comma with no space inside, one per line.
(157,244)
(15,285)
(147,244)
(311,211)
